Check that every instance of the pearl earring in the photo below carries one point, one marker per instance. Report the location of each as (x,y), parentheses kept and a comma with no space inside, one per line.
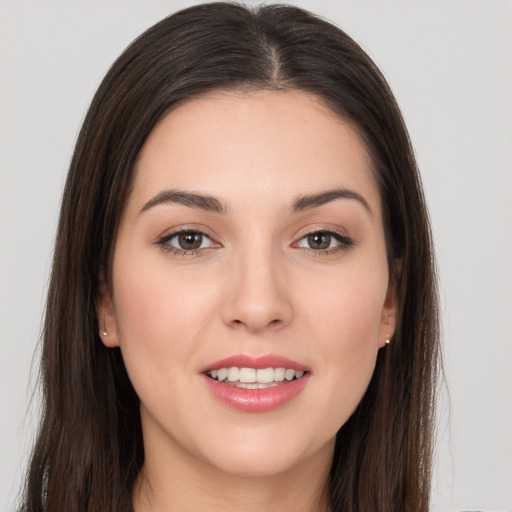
(388,339)
(104,333)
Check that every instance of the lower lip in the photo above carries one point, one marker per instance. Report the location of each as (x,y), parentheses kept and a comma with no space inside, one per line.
(256,400)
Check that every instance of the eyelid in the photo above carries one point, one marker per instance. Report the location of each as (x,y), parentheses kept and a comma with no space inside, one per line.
(162,241)
(345,241)
(326,228)
(186,228)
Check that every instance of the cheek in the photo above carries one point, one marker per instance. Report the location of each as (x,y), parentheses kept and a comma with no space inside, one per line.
(344,321)
(349,341)
(158,317)
(345,308)
(150,296)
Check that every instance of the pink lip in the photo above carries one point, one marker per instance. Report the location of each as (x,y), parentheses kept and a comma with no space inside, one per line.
(256,400)
(258,362)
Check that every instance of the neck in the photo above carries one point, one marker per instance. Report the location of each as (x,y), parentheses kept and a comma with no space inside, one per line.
(176,486)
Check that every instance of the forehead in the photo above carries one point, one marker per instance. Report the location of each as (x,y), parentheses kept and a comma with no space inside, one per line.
(266,144)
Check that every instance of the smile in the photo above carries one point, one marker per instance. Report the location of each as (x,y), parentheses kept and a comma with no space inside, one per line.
(256,383)
(255,378)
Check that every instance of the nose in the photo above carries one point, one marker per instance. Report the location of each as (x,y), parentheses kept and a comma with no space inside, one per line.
(257,297)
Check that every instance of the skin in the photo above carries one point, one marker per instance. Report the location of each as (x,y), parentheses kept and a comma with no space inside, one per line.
(256,286)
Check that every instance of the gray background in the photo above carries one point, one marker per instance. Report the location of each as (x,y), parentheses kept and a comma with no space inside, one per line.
(450,66)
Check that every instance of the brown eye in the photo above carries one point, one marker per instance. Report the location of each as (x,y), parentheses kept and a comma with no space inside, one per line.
(186,242)
(190,241)
(324,242)
(319,241)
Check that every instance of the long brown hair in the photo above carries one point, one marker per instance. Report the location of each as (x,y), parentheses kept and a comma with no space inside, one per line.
(89,448)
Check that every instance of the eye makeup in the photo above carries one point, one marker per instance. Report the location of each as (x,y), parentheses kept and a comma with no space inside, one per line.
(187,241)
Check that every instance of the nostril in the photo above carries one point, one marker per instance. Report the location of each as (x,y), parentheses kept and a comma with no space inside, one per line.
(251,325)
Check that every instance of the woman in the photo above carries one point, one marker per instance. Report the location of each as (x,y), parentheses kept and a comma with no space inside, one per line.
(242,309)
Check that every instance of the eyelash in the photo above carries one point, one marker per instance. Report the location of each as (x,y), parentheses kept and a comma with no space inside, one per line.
(175,251)
(344,244)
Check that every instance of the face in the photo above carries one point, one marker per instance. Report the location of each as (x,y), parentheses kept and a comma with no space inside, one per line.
(252,238)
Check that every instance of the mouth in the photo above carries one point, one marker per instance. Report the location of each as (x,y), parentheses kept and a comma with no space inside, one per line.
(256,383)
(255,378)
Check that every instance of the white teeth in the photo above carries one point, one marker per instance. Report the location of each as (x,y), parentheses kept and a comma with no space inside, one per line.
(233,374)
(265,375)
(289,374)
(251,378)
(247,375)
(279,374)
(256,385)
(222,374)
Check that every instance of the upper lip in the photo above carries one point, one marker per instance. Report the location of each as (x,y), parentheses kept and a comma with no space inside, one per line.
(258,362)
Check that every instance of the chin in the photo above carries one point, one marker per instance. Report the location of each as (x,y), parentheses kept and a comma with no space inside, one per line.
(260,457)
(260,464)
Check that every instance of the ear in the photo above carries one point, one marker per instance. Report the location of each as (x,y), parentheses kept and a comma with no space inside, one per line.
(107,323)
(389,315)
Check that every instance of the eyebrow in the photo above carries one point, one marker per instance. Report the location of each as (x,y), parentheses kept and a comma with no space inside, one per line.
(191,199)
(214,205)
(315,200)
